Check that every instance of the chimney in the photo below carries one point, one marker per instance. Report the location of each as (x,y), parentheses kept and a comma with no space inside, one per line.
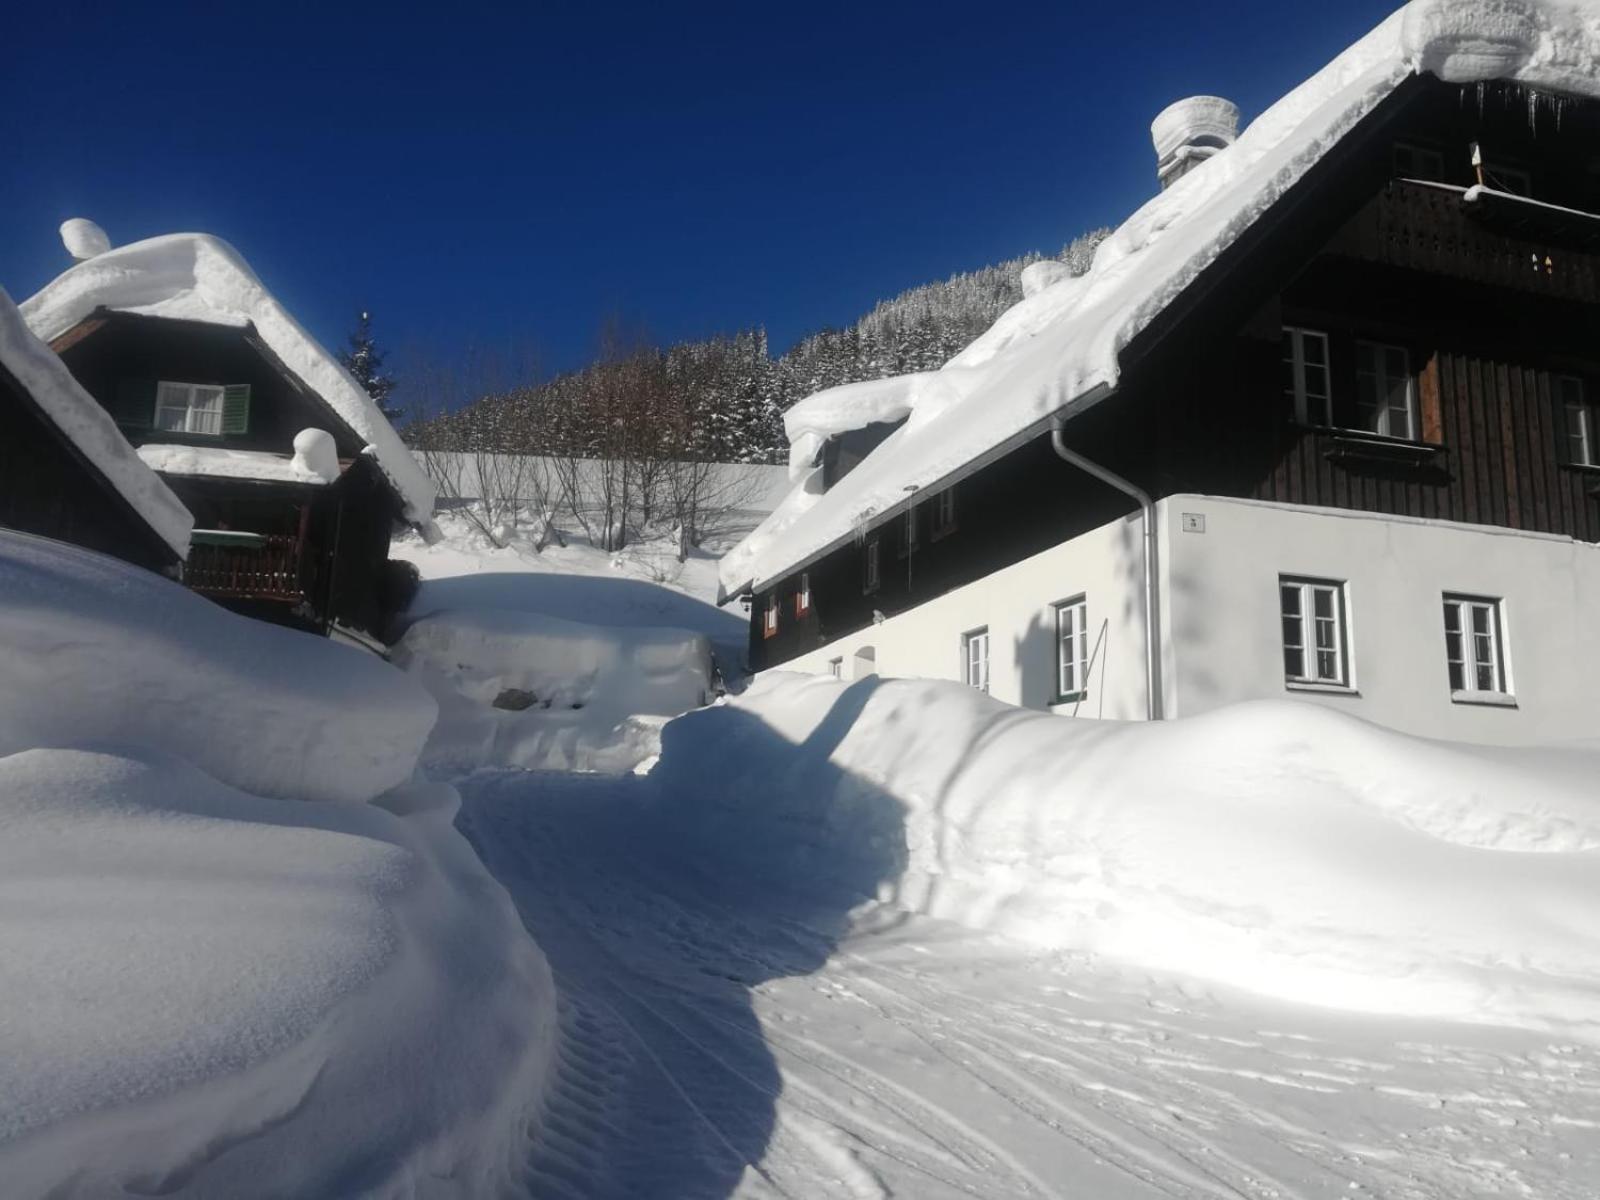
(1191,131)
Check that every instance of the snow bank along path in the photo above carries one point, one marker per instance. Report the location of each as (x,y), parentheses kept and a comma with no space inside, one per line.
(1056,351)
(197,277)
(1274,846)
(205,991)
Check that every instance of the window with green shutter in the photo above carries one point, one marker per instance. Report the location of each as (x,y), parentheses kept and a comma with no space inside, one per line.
(134,404)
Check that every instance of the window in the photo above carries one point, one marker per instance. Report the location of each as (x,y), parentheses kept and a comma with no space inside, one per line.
(836,667)
(944,512)
(975,659)
(1314,642)
(869,568)
(1474,646)
(1305,361)
(802,598)
(1417,162)
(1072,649)
(769,620)
(1386,396)
(1580,421)
(189,408)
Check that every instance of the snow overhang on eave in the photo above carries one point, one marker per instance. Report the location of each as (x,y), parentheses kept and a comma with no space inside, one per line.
(882,517)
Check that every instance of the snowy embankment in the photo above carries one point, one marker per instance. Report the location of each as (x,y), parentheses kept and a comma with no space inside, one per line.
(1274,846)
(210,983)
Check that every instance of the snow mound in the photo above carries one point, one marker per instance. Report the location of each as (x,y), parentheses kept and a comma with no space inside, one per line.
(211,993)
(90,428)
(95,652)
(229,464)
(83,238)
(1057,352)
(1279,847)
(197,277)
(520,689)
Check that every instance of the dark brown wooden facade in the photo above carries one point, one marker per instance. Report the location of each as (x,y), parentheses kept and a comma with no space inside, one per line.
(304,555)
(51,489)
(1493,299)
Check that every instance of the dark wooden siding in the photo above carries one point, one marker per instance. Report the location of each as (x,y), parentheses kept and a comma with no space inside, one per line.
(48,488)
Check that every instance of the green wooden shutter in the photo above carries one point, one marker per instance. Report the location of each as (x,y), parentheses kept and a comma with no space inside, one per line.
(134,405)
(236,408)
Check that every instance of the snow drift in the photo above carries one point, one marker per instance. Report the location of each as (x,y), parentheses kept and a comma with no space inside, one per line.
(1276,846)
(211,992)
(521,689)
(97,652)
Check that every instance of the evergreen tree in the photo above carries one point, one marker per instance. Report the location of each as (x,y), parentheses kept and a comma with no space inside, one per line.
(365,361)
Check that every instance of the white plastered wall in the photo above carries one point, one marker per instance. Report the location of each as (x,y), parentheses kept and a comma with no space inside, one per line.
(1222,600)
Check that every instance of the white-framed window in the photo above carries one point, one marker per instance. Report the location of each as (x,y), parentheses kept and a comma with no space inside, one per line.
(802,598)
(944,512)
(1315,641)
(1580,421)
(769,619)
(836,667)
(1072,648)
(870,575)
(1474,642)
(1307,380)
(1386,395)
(189,407)
(975,659)
(1418,162)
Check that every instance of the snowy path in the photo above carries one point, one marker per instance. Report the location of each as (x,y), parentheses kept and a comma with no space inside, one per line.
(728,1038)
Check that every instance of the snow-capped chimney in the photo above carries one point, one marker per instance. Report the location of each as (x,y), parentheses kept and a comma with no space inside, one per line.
(1191,131)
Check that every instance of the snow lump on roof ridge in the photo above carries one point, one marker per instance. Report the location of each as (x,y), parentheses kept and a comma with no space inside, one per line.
(199,277)
(90,428)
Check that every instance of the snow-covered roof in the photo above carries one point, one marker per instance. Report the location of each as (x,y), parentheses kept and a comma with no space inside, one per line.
(1056,352)
(197,277)
(260,465)
(90,428)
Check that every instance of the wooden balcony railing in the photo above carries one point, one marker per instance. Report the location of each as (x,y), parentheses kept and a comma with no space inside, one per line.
(247,566)
(1430,227)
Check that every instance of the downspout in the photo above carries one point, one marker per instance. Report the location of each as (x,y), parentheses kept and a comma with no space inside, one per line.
(1152,578)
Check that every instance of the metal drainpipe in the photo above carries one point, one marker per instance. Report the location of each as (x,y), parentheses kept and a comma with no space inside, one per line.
(1152,579)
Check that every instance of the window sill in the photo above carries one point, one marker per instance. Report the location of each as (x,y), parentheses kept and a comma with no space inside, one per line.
(1354,445)
(1326,689)
(1485,699)
(1063,705)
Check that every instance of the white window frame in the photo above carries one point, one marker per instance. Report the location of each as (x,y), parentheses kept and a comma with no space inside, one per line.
(769,619)
(802,597)
(1312,674)
(201,406)
(1072,649)
(1383,425)
(1475,652)
(944,512)
(1299,389)
(871,569)
(975,659)
(1579,421)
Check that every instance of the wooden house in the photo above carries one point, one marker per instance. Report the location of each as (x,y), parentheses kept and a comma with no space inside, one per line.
(1319,422)
(67,473)
(294,477)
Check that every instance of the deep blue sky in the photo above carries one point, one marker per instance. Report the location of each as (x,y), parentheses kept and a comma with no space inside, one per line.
(513,177)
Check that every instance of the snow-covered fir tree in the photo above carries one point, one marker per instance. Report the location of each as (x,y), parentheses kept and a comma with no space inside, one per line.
(364,360)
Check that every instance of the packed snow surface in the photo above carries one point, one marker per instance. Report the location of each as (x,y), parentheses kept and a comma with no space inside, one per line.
(519,689)
(197,277)
(218,461)
(83,238)
(100,653)
(1056,352)
(1274,846)
(208,992)
(90,428)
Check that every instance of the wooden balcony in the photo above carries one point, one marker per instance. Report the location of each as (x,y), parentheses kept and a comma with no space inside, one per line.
(1493,239)
(247,566)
